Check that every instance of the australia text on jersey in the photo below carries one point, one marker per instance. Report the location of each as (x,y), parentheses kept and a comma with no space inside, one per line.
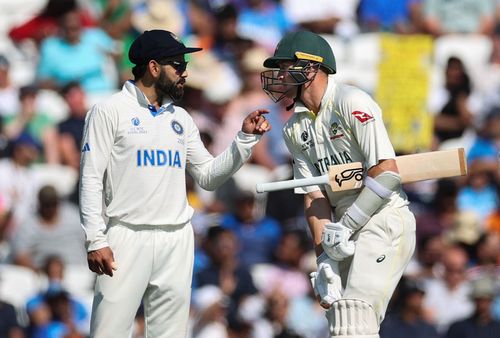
(333,159)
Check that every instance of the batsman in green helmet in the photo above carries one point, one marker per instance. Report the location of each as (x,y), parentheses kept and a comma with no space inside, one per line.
(364,248)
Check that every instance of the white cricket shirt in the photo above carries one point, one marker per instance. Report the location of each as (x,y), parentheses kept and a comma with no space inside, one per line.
(348,128)
(137,157)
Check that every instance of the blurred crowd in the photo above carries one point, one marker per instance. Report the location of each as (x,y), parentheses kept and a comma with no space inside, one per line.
(253,251)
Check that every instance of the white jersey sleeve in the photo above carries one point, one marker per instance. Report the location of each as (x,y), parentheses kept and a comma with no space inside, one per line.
(210,172)
(98,139)
(364,117)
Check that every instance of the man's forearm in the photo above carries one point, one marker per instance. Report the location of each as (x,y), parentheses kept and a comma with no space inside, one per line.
(318,213)
(216,171)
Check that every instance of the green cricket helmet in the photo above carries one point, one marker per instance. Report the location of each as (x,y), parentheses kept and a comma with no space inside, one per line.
(308,52)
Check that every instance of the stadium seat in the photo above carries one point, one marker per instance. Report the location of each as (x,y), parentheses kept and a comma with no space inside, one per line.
(339,47)
(63,178)
(17,284)
(364,50)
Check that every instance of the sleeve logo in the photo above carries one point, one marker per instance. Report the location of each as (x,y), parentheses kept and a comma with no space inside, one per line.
(362,116)
(85,147)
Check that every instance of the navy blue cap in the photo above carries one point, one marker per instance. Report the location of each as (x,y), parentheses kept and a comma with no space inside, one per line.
(156,44)
(26,139)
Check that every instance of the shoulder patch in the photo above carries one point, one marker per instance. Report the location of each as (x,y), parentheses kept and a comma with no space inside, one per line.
(362,116)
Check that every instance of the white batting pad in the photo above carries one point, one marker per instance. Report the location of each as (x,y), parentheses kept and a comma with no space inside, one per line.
(350,318)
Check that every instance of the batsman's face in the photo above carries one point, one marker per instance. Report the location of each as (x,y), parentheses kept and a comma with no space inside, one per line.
(278,83)
(172,78)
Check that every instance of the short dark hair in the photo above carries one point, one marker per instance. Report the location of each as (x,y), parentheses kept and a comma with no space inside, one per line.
(138,71)
(29,90)
(69,86)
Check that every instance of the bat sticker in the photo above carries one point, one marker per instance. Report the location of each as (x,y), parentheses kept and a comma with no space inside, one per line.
(346,175)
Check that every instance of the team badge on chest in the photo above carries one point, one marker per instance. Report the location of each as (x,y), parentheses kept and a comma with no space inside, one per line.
(177,127)
(336,131)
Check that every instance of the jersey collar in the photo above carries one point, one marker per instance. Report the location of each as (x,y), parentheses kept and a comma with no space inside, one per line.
(129,88)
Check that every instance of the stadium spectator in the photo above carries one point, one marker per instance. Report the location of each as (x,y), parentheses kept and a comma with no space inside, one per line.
(458,16)
(77,315)
(490,79)
(9,324)
(486,255)
(16,181)
(35,123)
(401,16)
(479,195)
(442,217)
(325,16)
(455,115)
(224,269)
(486,145)
(263,21)
(210,305)
(250,97)
(447,297)
(481,323)
(229,46)
(77,54)
(430,249)
(277,307)
(9,95)
(201,21)
(258,237)
(114,17)
(5,243)
(41,236)
(70,130)
(286,273)
(45,23)
(408,319)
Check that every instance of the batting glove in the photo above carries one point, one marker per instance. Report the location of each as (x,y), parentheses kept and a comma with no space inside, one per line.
(335,241)
(326,281)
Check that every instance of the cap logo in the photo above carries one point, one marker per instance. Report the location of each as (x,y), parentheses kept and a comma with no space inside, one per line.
(307,56)
(175,37)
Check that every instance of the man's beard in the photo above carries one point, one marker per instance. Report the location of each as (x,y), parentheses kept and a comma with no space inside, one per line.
(164,86)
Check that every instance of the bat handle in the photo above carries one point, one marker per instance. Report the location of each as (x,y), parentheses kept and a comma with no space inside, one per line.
(290,184)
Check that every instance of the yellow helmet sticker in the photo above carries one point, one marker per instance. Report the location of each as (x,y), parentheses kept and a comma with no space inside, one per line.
(307,56)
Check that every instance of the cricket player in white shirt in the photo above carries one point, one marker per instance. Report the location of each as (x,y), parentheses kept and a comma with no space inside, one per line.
(363,253)
(137,146)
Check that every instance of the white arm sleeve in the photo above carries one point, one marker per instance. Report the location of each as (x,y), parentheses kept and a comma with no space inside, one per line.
(98,139)
(210,172)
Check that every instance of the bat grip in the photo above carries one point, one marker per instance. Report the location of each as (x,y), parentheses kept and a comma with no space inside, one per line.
(282,185)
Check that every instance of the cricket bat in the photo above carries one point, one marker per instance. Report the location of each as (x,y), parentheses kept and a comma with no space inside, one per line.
(412,168)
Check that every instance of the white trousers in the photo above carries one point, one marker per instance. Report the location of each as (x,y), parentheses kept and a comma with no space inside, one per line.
(384,246)
(155,264)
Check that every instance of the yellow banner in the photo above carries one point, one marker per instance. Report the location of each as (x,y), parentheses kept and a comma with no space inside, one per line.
(404,76)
